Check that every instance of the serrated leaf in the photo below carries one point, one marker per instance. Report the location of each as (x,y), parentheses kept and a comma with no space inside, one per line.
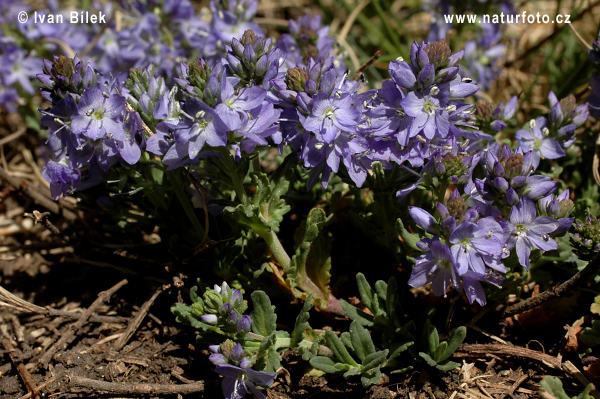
(301,323)
(361,341)
(324,363)
(263,314)
(309,269)
(356,314)
(338,349)
(265,210)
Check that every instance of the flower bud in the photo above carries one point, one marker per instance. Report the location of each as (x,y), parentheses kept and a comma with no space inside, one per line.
(244,324)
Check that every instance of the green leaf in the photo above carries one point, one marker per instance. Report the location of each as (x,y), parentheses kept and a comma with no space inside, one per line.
(439,353)
(590,336)
(356,314)
(586,393)
(456,338)
(410,239)
(399,349)
(301,323)
(361,341)
(433,339)
(264,211)
(347,340)
(370,377)
(364,290)
(445,367)
(263,315)
(428,359)
(554,387)
(308,273)
(375,359)
(595,308)
(268,359)
(392,299)
(352,372)
(381,288)
(338,349)
(324,363)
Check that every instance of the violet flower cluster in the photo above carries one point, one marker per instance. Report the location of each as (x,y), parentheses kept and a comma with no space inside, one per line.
(508,210)
(499,207)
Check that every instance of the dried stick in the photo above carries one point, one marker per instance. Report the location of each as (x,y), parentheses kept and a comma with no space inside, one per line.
(13,136)
(27,378)
(42,218)
(367,64)
(69,335)
(13,302)
(41,386)
(139,317)
(468,350)
(126,388)
(36,196)
(351,18)
(553,292)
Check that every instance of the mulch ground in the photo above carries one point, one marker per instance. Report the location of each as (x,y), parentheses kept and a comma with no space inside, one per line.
(91,327)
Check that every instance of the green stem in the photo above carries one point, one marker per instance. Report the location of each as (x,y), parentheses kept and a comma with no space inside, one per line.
(276,248)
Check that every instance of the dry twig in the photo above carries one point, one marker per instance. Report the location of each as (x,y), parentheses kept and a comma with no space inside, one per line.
(125,388)
(469,350)
(27,378)
(139,317)
(553,292)
(69,335)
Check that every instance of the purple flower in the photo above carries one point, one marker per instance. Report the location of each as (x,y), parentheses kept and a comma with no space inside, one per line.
(62,178)
(239,381)
(536,139)
(530,231)
(476,244)
(436,266)
(98,115)
(330,115)
(428,117)
(472,285)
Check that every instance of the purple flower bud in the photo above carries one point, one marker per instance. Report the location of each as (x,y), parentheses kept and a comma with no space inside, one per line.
(244,324)
(422,218)
(209,318)
(511,196)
